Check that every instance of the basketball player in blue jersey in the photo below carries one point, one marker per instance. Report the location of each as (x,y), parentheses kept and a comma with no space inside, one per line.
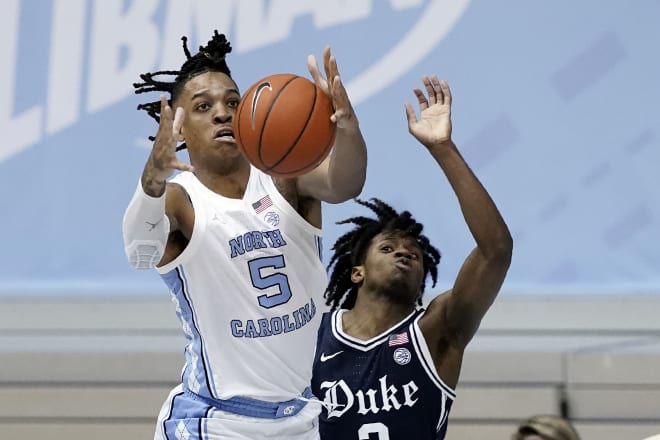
(385,367)
(240,253)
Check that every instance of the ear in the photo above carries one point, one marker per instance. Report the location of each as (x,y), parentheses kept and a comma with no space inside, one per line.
(357,274)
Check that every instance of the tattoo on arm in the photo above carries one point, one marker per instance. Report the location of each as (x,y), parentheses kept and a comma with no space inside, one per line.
(153,186)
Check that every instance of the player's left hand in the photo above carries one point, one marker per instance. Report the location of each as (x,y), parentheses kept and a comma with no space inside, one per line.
(434,125)
(333,87)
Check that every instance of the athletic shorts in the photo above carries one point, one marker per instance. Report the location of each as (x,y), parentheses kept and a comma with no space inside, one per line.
(185,415)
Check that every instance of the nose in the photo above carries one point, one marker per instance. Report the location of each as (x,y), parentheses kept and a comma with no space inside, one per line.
(403,252)
(223,114)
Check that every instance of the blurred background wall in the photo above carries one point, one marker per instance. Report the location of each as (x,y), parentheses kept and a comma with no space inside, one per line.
(555,108)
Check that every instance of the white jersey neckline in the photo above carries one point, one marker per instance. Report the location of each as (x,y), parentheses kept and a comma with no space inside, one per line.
(357,343)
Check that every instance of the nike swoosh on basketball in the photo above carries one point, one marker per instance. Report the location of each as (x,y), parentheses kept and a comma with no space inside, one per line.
(330,356)
(255,98)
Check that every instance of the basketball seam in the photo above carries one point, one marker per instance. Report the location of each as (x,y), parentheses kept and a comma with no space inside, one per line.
(238,112)
(321,155)
(265,123)
(316,161)
(302,130)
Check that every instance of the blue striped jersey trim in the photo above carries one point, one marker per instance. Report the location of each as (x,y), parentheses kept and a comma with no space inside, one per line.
(178,284)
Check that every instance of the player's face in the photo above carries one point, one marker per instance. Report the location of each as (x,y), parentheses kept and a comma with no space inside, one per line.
(209,101)
(393,265)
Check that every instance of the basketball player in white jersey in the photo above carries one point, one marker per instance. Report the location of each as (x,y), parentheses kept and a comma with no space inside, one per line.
(240,253)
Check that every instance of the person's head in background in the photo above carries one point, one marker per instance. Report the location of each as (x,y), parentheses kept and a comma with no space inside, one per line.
(546,428)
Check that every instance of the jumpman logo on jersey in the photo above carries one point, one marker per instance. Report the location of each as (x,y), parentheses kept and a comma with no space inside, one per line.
(330,356)
(152,226)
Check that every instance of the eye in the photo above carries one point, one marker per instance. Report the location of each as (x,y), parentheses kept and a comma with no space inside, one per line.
(233,103)
(386,248)
(202,106)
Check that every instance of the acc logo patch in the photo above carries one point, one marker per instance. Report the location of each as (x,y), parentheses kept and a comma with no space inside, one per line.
(272,218)
(402,356)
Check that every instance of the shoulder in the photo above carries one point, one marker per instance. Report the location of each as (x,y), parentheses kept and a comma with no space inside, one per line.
(328,316)
(287,188)
(308,207)
(434,318)
(176,194)
(436,307)
(176,187)
(179,208)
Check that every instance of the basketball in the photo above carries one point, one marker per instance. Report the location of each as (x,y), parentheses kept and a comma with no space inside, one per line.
(282,125)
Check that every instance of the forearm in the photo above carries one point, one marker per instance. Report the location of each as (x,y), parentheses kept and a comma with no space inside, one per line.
(154,177)
(145,229)
(347,170)
(480,212)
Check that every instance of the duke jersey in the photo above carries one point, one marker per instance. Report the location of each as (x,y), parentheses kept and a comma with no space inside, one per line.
(248,290)
(383,388)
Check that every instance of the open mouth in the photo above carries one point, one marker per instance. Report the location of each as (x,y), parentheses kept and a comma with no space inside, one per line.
(225,135)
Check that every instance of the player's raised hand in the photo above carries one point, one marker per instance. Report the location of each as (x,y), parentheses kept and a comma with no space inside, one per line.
(333,87)
(163,160)
(434,124)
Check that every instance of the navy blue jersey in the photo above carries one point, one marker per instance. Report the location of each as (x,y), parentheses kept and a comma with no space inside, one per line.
(386,388)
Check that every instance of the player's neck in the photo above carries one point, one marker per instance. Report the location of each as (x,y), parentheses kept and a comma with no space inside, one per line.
(231,183)
(368,319)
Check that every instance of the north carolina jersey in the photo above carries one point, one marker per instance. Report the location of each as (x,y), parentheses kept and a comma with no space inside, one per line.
(248,290)
(383,388)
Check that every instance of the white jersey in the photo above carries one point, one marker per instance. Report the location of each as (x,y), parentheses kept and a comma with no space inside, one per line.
(248,290)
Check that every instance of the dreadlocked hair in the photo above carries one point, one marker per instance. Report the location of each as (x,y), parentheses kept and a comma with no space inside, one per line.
(351,248)
(210,58)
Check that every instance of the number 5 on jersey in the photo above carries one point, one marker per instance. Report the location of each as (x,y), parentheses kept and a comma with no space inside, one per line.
(260,281)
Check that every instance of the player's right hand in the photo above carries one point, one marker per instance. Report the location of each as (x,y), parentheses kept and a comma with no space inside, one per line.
(163,160)
(332,85)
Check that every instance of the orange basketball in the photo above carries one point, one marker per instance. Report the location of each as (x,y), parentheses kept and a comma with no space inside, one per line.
(283,125)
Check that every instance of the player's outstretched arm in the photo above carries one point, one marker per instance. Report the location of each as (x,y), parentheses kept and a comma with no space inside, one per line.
(341,175)
(149,217)
(163,161)
(453,318)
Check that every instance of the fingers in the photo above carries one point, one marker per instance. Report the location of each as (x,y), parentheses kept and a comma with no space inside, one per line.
(168,129)
(430,91)
(421,99)
(337,102)
(434,90)
(410,114)
(445,91)
(328,61)
(341,103)
(338,93)
(313,68)
(332,86)
(330,68)
(165,122)
(165,111)
(164,105)
(179,116)
(438,92)
(181,166)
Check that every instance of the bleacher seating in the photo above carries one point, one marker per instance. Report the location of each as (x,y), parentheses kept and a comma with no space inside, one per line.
(101,368)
